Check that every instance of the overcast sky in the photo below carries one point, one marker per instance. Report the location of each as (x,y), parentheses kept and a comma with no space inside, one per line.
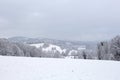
(87,20)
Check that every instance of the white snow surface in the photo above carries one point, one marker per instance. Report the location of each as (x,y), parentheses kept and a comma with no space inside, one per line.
(21,68)
(37,45)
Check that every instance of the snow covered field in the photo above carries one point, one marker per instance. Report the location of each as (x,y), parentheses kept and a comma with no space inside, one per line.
(20,68)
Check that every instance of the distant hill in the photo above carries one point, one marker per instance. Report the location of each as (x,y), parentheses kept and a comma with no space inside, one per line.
(61,43)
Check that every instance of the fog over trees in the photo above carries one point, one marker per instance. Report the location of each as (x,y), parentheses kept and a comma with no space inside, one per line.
(105,50)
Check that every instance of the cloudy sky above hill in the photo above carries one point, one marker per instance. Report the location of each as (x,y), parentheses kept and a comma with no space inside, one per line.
(60,19)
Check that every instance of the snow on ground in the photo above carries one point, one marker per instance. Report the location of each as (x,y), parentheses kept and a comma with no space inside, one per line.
(19,68)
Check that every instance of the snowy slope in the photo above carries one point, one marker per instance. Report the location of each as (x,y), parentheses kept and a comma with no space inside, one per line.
(13,68)
(51,47)
(55,48)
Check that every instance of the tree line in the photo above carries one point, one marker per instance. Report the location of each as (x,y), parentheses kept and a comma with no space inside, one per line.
(105,50)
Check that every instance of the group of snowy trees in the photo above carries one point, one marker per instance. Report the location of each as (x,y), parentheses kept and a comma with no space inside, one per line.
(109,50)
(18,49)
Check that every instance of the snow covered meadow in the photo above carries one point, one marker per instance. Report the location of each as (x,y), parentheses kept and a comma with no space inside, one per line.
(22,68)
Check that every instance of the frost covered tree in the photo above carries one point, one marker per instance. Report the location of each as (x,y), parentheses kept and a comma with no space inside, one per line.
(29,51)
(115,48)
(103,50)
(57,54)
(10,49)
(84,55)
(34,52)
(109,50)
(18,49)
(25,48)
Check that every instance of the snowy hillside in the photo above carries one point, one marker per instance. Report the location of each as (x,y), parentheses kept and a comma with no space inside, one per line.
(50,47)
(55,48)
(18,68)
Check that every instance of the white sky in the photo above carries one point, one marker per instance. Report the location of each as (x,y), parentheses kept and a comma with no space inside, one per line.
(87,20)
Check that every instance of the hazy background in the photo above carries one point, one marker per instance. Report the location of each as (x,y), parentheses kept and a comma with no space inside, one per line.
(87,20)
